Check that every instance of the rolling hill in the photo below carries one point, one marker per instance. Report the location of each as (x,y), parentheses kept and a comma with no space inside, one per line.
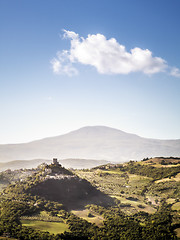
(98,142)
(133,201)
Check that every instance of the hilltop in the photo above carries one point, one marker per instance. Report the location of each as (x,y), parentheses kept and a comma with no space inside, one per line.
(67,163)
(98,143)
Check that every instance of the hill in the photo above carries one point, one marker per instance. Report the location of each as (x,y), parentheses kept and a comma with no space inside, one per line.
(92,143)
(134,200)
(55,183)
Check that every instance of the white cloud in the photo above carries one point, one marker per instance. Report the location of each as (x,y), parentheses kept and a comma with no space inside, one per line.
(106,55)
(62,65)
(175,72)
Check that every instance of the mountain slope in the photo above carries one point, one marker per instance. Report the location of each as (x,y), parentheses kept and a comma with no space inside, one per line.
(93,143)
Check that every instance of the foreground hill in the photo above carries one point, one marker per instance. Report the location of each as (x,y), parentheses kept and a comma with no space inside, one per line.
(58,184)
(132,201)
(92,143)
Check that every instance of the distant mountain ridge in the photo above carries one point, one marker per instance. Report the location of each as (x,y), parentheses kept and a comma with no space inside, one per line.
(67,163)
(96,142)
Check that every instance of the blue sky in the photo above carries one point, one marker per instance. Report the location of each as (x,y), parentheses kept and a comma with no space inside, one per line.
(68,64)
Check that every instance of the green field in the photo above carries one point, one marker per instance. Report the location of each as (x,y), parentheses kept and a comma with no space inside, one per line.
(176,206)
(93,218)
(5,238)
(51,227)
(136,205)
(178,232)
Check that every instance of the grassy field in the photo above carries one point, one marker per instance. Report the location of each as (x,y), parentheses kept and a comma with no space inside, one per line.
(114,182)
(5,238)
(120,185)
(43,216)
(176,206)
(135,206)
(178,232)
(126,186)
(51,227)
(176,178)
(89,216)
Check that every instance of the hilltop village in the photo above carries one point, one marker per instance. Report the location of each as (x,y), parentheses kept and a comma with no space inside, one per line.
(55,171)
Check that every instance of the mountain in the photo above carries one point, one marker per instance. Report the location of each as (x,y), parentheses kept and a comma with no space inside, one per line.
(98,142)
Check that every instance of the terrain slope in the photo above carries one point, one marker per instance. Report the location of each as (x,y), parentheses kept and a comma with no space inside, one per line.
(133,200)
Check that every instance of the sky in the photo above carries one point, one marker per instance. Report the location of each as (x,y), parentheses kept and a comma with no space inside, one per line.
(69,64)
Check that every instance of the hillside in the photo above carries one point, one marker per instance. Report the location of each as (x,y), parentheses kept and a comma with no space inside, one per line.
(134,201)
(58,184)
(100,143)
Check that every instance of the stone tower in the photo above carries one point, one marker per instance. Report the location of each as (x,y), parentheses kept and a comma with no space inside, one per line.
(55,161)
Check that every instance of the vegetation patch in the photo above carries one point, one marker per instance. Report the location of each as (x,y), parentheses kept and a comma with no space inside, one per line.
(176,206)
(5,238)
(178,232)
(43,216)
(51,227)
(89,216)
(171,200)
